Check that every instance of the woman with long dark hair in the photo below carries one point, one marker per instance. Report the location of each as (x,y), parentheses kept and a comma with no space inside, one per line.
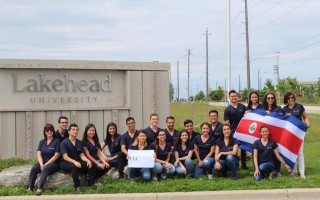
(93,152)
(112,140)
(297,110)
(48,153)
(253,102)
(163,154)
(204,146)
(183,150)
(140,143)
(226,153)
(269,104)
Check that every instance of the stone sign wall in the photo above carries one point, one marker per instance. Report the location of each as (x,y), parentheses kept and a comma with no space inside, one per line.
(35,92)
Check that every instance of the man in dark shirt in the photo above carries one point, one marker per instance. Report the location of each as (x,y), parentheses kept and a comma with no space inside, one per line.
(232,116)
(126,141)
(62,132)
(152,130)
(171,133)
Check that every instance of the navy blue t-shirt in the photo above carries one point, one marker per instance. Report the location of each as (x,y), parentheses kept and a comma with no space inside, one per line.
(171,138)
(183,152)
(193,136)
(127,140)
(151,135)
(215,133)
(114,147)
(73,151)
(296,110)
(59,137)
(277,109)
(224,148)
(249,108)
(265,153)
(93,149)
(48,150)
(234,115)
(148,147)
(204,147)
(162,154)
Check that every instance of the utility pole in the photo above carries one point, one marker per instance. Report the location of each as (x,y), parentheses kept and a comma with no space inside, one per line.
(207,68)
(259,79)
(178,89)
(228,48)
(188,74)
(247,47)
(239,83)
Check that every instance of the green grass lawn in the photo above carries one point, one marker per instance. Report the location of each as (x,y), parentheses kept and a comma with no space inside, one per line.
(198,112)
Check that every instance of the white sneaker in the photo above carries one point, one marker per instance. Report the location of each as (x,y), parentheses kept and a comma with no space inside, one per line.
(210,176)
(155,178)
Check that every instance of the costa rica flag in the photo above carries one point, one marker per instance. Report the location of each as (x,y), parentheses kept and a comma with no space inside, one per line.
(287,131)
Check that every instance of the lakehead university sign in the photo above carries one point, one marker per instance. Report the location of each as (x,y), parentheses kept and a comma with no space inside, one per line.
(35,92)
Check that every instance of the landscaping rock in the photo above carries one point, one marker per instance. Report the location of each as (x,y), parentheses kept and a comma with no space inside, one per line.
(19,175)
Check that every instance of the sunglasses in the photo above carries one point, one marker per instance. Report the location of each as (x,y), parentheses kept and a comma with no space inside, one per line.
(290,98)
(48,130)
(270,98)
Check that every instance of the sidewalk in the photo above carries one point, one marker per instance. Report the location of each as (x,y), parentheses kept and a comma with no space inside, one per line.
(279,194)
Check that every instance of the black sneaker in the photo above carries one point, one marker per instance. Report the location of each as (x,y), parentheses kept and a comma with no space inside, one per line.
(121,177)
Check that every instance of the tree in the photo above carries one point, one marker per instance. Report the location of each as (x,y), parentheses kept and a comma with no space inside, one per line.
(200,96)
(268,86)
(318,88)
(216,95)
(171,91)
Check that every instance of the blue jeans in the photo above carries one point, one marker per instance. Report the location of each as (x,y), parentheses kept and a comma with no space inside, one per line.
(230,163)
(158,168)
(207,166)
(188,165)
(265,170)
(143,172)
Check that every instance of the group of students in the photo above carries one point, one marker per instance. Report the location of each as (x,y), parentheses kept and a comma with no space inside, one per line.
(214,149)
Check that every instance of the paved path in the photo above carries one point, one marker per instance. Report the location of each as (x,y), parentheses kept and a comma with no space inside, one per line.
(279,194)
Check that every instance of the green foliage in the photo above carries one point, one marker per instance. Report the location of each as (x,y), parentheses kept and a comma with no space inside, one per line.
(171,91)
(268,86)
(216,95)
(9,162)
(200,96)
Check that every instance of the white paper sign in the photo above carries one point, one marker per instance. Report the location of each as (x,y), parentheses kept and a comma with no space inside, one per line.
(141,159)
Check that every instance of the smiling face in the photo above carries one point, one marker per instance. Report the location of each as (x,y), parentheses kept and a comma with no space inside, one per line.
(213,117)
(170,124)
(63,124)
(264,131)
(254,98)
(233,97)
(205,129)
(226,131)
(112,130)
(189,127)
(74,131)
(91,132)
(162,136)
(270,99)
(154,121)
(184,137)
(142,138)
(131,124)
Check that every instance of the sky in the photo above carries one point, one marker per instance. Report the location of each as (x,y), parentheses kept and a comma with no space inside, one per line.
(284,32)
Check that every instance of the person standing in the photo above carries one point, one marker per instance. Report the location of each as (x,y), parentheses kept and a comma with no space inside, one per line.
(232,116)
(171,132)
(48,153)
(74,160)
(62,132)
(126,141)
(297,110)
(253,102)
(204,146)
(152,130)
